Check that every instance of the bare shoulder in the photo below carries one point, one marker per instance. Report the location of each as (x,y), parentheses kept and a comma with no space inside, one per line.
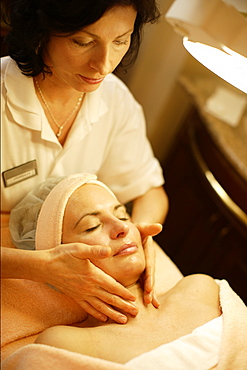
(67,337)
(201,288)
(199,281)
(195,300)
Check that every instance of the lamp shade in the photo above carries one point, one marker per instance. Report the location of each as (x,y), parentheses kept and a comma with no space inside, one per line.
(215,33)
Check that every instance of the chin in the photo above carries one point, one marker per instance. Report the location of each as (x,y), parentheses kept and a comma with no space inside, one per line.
(130,272)
(126,270)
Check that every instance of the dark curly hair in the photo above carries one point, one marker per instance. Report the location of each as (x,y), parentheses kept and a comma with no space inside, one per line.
(32,22)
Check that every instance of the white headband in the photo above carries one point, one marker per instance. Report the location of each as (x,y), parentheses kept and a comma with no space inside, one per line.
(50,220)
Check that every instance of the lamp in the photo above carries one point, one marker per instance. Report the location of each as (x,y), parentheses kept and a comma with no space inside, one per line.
(215,33)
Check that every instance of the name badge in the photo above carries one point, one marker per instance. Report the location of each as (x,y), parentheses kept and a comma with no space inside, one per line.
(20,173)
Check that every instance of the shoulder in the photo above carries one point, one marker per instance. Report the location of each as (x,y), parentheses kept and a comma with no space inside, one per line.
(11,75)
(68,337)
(196,299)
(6,62)
(201,288)
(198,283)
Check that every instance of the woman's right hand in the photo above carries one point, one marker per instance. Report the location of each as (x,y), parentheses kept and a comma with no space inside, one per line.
(69,269)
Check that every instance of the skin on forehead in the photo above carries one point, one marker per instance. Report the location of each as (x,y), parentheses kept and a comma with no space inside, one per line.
(95,217)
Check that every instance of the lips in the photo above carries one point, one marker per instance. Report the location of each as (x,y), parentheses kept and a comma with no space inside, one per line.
(91,81)
(126,249)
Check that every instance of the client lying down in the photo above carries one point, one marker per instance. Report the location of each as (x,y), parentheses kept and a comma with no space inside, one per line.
(81,209)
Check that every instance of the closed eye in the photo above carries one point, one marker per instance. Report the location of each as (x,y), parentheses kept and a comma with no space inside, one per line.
(92,228)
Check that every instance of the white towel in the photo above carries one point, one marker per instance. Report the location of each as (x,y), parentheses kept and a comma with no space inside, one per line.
(232,351)
(198,350)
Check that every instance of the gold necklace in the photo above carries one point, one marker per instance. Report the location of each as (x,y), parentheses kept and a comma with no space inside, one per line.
(60,127)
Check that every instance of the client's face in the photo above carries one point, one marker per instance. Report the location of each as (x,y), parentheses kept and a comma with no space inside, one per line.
(93,216)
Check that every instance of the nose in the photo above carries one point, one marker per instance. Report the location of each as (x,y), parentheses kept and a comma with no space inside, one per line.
(101,61)
(119,229)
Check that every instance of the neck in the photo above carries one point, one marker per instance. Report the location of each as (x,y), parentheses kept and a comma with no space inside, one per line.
(145,311)
(55,90)
(137,290)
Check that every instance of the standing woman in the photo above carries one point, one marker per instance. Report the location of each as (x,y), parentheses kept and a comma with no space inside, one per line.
(64,112)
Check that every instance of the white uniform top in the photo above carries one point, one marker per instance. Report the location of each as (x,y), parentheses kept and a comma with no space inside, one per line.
(108,138)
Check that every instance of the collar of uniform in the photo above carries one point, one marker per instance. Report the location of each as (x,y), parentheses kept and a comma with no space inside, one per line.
(21,98)
(26,110)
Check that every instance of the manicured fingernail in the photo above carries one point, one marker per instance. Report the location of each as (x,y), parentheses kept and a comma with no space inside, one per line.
(134,312)
(132,298)
(122,320)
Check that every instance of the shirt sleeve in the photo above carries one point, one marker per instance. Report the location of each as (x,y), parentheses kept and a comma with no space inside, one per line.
(129,167)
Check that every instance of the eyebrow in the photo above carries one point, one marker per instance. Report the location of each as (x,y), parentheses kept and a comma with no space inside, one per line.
(97,213)
(98,37)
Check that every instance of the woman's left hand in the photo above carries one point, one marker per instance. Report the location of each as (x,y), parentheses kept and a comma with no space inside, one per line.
(147,231)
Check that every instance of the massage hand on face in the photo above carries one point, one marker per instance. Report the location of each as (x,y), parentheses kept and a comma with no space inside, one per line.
(62,55)
(52,231)
(79,209)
